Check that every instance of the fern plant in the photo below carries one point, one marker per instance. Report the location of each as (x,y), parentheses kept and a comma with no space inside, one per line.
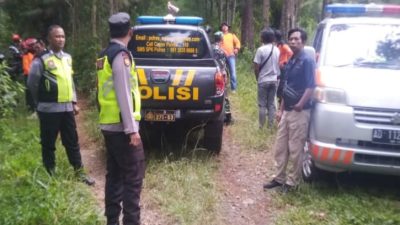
(9,92)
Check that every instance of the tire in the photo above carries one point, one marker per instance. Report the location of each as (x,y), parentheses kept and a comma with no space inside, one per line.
(213,134)
(309,171)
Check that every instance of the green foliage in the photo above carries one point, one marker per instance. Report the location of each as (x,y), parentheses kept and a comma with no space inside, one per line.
(10,91)
(32,17)
(91,123)
(5,34)
(28,196)
(309,16)
(84,65)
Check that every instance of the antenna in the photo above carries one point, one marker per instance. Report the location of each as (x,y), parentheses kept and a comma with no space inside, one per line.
(172,10)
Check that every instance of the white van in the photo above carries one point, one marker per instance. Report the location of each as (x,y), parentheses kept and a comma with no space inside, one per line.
(355,124)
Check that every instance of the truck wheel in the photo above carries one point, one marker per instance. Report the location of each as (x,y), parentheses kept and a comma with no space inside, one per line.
(309,171)
(213,134)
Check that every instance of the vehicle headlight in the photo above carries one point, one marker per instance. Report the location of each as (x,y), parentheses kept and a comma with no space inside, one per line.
(330,95)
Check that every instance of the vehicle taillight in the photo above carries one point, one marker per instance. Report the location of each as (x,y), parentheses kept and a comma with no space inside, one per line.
(217,107)
(219,83)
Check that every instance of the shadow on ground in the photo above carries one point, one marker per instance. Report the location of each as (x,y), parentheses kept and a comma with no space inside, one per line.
(175,141)
(377,185)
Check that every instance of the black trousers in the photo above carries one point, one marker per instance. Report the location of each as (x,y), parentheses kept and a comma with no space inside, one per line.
(124,178)
(50,125)
(28,96)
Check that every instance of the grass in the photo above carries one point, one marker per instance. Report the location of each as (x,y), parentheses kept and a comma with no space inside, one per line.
(184,189)
(28,196)
(245,109)
(91,124)
(327,203)
(179,180)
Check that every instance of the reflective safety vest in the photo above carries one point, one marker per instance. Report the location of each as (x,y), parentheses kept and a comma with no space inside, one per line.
(110,112)
(56,83)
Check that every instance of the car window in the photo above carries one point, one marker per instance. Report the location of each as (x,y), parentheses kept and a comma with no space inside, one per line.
(318,38)
(363,45)
(169,44)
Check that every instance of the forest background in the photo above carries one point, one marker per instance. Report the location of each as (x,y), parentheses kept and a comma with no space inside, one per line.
(85,21)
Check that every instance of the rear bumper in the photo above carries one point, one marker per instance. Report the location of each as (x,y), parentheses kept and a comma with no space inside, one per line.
(340,143)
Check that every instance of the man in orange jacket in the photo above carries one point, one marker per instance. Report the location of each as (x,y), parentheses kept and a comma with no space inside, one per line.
(231,47)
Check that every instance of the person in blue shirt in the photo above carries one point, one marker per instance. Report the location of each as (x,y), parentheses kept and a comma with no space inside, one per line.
(294,113)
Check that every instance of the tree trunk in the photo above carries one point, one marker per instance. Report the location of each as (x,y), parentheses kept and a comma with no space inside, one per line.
(266,7)
(205,13)
(94,18)
(233,11)
(74,22)
(220,14)
(212,10)
(322,15)
(226,10)
(111,3)
(247,38)
(290,10)
(296,4)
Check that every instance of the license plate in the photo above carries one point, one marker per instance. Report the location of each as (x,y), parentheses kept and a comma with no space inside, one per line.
(160,115)
(386,136)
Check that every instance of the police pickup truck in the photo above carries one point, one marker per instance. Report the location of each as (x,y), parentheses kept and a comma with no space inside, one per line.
(178,77)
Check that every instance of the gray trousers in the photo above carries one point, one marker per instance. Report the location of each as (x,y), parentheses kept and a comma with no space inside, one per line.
(289,146)
(266,101)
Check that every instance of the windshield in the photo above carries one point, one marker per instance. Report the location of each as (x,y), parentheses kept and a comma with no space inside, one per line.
(168,44)
(363,45)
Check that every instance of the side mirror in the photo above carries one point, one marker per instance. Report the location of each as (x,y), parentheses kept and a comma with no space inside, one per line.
(207,29)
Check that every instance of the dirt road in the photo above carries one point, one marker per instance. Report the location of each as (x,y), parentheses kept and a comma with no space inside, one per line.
(240,176)
(93,155)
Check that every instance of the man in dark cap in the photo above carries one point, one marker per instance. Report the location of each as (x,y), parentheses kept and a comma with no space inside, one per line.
(231,47)
(119,99)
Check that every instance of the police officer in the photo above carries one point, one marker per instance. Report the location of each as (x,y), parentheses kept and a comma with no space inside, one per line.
(53,91)
(119,100)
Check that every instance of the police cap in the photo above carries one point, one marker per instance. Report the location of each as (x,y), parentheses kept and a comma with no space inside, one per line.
(119,24)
